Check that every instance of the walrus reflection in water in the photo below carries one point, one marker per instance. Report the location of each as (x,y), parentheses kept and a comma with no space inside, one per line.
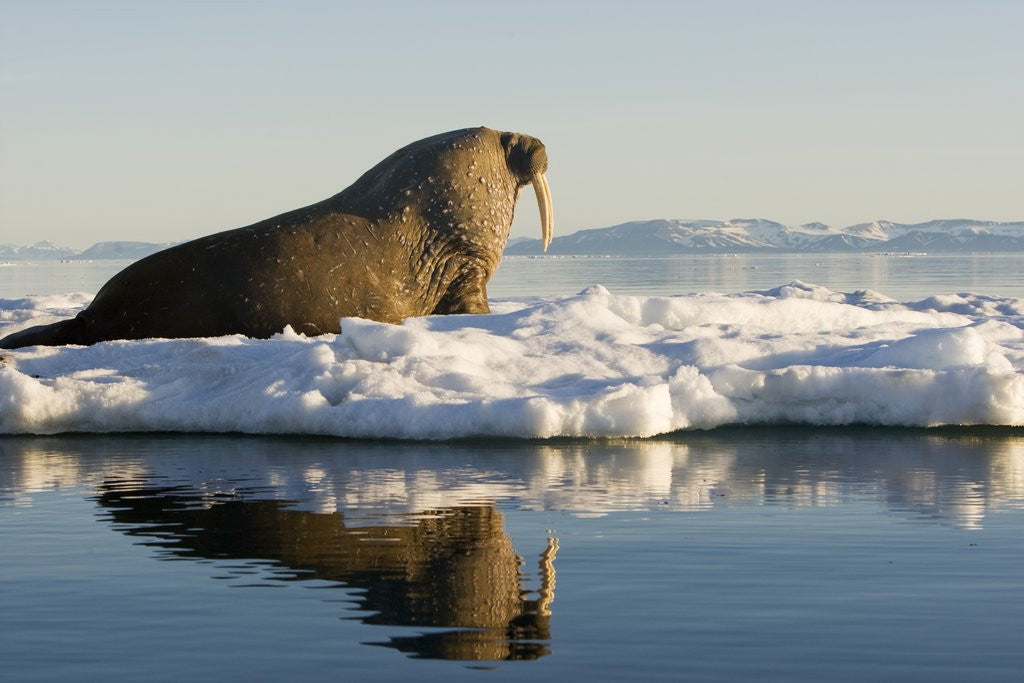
(420,233)
(454,567)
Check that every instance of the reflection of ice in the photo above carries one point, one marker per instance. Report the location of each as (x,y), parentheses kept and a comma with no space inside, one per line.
(921,486)
(700,478)
(387,492)
(806,492)
(956,479)
(41,473)
(30,468)
(1007,474)
(569,478)
(967,505)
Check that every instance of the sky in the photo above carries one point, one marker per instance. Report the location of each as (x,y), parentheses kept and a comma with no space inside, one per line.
(160,122)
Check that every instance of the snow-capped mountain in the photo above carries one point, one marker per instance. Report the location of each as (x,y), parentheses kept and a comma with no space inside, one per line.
(678,236)
(667,236)
(48,251)
(121,250)
(40,251)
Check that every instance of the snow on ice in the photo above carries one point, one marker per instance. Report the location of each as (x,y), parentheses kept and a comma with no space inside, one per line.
(593,364)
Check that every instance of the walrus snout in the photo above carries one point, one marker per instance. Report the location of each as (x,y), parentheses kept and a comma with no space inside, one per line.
(526,156)
(528,160)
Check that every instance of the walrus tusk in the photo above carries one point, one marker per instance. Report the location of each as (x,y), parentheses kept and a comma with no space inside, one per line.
(547,215)
(551,211)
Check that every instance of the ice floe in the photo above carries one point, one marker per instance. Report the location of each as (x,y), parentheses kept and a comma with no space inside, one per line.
(593,364)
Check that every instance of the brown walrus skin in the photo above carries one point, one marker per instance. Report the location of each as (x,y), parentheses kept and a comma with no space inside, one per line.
(420,233)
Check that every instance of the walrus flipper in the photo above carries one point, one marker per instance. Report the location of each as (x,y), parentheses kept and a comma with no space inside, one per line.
(56,334)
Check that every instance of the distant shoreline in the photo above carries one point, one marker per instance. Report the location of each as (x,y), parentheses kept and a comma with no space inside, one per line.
(677,237)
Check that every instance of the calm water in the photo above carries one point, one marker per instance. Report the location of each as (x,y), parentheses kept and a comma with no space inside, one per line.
(901,277)
(775,554)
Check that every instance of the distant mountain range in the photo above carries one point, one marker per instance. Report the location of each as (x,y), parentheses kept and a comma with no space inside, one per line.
(48,251)
(676,236)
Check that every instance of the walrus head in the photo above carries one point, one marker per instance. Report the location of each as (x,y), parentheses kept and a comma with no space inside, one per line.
(528,161)
(466,179)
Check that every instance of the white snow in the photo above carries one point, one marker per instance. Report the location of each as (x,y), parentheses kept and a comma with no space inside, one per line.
(593,364)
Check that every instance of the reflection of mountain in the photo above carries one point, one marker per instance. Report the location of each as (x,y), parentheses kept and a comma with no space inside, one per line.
(453,567)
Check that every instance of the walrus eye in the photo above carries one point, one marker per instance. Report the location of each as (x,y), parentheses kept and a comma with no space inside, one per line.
(547,216)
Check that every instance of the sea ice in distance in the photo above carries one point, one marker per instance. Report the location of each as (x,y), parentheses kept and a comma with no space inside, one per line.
(593,364)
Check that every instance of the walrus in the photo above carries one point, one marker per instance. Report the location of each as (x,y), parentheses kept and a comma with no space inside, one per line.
(420,233)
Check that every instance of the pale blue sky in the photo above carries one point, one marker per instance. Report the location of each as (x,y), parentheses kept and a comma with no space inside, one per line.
(162,121)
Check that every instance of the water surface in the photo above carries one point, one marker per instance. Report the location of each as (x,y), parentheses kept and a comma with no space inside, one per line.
(777,554)
(785,554)
(899,276)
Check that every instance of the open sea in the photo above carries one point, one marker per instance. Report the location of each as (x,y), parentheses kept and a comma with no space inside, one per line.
(900,276)
(767,553)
